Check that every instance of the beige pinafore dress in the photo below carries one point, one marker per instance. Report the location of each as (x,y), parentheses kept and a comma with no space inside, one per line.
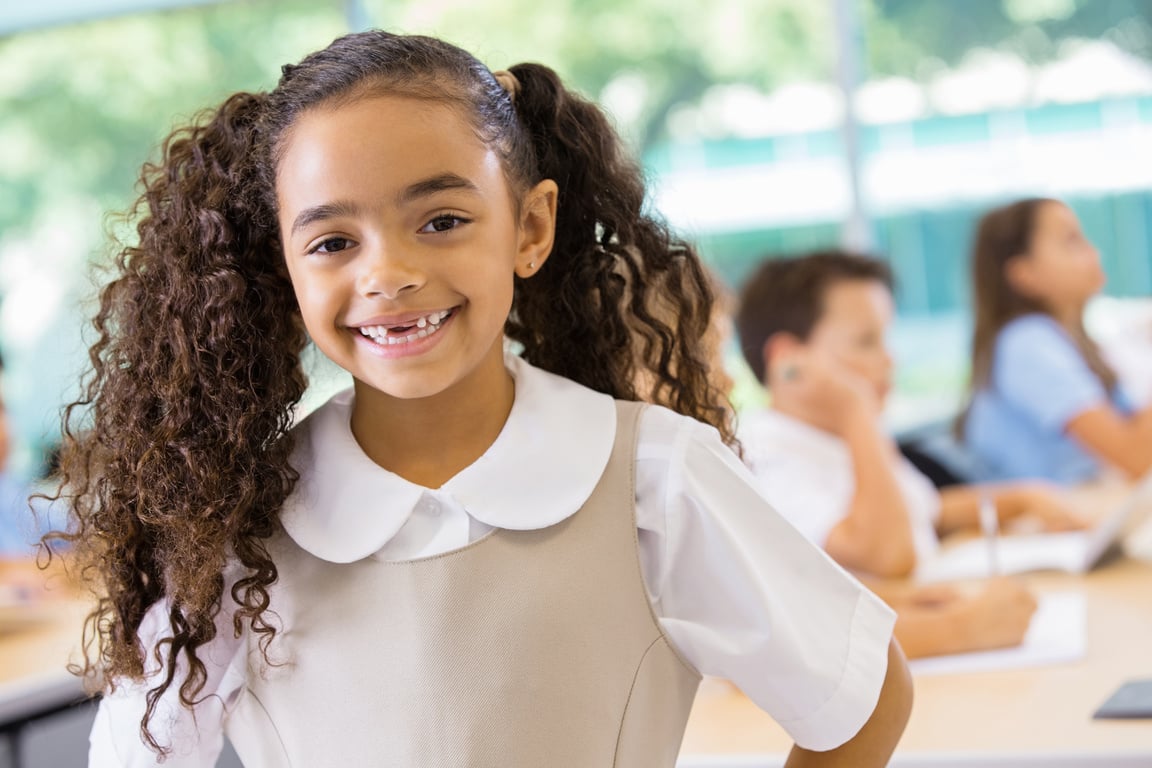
(525,649)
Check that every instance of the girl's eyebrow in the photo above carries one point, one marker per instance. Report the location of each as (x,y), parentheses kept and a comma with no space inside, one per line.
(324,211)
(433,184)
(423,188)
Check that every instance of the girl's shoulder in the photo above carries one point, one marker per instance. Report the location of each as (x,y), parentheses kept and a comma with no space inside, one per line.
(1034,327)
(662,426)
(1035,336)
(679,453)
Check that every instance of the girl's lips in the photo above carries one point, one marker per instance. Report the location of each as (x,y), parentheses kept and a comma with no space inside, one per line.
(399,320)
(412,342)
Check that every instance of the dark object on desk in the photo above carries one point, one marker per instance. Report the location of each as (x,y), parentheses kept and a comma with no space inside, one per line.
(930,466)
(1131,700)
(934,450)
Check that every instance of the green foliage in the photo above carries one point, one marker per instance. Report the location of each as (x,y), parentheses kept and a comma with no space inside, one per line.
(82,107)
(673,51)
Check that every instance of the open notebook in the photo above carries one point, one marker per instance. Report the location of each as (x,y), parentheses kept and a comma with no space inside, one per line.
(1057,634)
(1074,552)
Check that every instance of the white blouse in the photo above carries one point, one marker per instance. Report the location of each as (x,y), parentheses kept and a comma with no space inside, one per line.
(808,476)
(737,590)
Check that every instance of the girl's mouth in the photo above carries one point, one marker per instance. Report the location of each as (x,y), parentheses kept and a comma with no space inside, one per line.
(421,328)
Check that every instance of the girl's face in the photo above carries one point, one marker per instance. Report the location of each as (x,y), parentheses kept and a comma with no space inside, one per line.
(402,238)
(853,330)
(1062,268)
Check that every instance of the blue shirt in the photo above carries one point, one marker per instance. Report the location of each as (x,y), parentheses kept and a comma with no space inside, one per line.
(1039,382)
(18,527)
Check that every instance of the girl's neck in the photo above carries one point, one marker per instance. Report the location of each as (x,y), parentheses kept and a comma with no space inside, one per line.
(1069,317)
(428,441)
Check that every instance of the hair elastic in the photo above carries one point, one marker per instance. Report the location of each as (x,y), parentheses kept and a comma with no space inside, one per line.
(508,82)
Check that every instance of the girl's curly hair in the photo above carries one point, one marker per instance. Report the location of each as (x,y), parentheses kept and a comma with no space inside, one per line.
(177,454)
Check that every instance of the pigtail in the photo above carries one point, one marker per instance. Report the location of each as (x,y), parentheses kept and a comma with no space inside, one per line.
(621,305)
(176,455)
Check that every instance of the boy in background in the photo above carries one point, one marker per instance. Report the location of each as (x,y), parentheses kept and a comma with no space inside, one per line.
(813,329)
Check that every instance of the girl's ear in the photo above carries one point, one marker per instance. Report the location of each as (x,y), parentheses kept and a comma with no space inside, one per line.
(1020,275)
(537,227)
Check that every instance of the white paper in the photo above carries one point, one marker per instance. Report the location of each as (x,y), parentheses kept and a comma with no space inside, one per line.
(1057,635)
(972,559)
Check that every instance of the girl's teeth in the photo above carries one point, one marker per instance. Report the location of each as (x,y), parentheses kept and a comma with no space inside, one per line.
(427,325)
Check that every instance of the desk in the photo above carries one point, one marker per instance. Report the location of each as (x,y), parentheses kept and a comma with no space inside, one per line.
(34,681)
(1042,712)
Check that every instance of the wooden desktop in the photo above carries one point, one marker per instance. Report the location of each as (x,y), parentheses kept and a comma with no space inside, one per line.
(1032,711)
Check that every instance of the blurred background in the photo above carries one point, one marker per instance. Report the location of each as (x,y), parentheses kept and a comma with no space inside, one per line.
(766,127)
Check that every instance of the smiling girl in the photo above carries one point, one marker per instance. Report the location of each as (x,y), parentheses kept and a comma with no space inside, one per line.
(485,552)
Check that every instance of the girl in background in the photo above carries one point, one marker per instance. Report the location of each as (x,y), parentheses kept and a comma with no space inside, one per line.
(474,556)
(1044,403)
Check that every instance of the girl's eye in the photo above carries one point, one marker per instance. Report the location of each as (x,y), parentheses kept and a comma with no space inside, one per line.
(331,245)
(443,223)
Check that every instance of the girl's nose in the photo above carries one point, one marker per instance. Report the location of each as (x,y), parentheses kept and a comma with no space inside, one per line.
(387,276)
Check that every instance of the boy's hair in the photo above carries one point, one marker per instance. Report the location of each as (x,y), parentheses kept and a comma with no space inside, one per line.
(196,368)
(786,295)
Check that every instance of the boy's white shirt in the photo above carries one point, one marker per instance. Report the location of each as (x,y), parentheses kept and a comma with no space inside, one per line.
(737,590)
(808,476)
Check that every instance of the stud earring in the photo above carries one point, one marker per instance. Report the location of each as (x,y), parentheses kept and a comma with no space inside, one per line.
(531,265)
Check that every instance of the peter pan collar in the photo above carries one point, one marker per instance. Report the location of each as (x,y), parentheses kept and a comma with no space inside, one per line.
(540,470)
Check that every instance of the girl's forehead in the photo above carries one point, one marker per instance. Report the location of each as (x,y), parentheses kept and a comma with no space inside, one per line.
(1052,216)
(381,116)
(378,144)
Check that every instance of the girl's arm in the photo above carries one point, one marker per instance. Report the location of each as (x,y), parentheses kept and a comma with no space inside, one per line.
(960,507)
(1125,442)
(874,744)
(742,595)
(195,738)
(1039,371)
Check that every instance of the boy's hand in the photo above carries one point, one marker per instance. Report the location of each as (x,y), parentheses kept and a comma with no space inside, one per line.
(827,393)
(999,615)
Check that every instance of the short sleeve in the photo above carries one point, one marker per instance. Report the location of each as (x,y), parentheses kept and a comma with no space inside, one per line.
(742,595)
(1039,371)
(800,492)
(195,738)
